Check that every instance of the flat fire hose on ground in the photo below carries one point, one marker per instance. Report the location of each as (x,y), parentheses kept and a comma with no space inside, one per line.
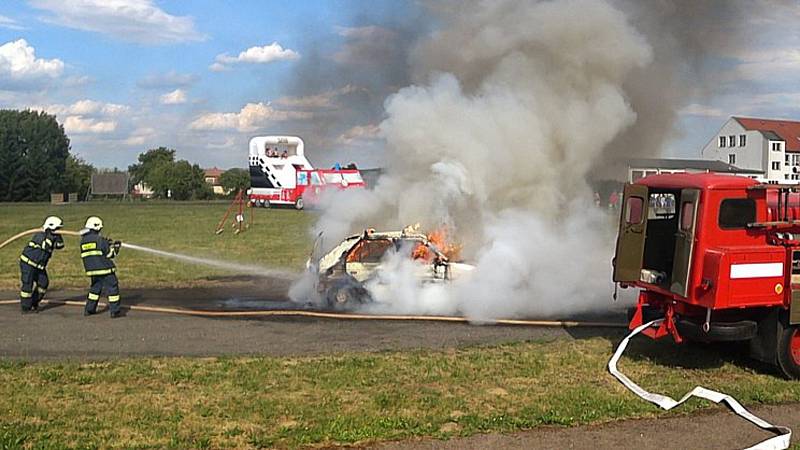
(337,315)
(779,442)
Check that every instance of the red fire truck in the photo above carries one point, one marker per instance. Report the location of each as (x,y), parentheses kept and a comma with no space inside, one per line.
(718,257)
(280,174)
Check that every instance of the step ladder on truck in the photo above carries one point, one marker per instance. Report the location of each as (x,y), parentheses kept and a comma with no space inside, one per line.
(280,174)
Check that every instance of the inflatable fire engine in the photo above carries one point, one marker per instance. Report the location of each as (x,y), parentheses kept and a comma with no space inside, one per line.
(718,257)
(280,174)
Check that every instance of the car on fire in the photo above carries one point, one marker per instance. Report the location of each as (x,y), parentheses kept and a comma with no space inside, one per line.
(348,275)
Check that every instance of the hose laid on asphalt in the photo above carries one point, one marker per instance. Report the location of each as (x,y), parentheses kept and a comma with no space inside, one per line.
(35,230)
(318,314)
(344,316)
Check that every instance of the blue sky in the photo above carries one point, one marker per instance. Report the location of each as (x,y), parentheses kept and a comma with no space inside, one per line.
(203,76)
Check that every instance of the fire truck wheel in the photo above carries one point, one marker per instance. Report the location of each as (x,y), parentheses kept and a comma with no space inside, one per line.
(266,204)
(789,352)
(298,204)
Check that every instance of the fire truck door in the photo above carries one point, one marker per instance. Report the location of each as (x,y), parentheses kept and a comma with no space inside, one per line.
(632,233)
(684,241)
(794,307)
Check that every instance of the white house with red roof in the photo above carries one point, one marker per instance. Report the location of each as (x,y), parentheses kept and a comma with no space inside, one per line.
(767,145)
(212,177)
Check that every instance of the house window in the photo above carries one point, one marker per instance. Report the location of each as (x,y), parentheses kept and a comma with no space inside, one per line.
(742,140)
(776,146)
(776,165)
(787,160)
(723,140)
(795,160)
(731,141)
(732,159)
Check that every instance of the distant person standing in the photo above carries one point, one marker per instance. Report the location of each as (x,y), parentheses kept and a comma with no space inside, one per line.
(597,199)
(613,199)
(33,264)
(97,253)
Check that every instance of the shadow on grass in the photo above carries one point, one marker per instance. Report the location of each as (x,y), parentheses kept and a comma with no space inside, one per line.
(692,355)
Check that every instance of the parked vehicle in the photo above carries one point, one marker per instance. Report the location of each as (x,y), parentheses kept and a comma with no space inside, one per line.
(718,257)
(280,174)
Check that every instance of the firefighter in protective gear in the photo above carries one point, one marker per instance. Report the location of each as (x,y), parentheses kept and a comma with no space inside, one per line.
(97,253)
(33,263)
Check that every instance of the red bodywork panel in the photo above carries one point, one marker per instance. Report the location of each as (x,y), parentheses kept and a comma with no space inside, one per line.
(310,191)
(731,269)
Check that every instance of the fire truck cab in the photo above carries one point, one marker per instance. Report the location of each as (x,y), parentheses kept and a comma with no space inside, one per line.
(718,257)
(280,174)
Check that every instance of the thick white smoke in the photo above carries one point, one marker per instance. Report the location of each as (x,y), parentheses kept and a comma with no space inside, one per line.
(496,142)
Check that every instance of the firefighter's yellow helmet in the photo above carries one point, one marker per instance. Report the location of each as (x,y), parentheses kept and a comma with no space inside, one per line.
(94,223)
(52,223)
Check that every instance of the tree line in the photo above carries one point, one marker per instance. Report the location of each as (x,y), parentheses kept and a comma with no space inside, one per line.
(35,160)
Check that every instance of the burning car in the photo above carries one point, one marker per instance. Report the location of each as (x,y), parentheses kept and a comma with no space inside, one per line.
(348,275)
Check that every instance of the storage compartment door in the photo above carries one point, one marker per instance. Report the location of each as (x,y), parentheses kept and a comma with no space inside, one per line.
(632,232)
(684,242)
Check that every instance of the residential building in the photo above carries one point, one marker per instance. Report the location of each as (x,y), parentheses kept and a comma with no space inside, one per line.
(766,145)
(212,178)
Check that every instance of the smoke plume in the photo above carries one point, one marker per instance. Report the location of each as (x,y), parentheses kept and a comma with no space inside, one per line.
(513,105)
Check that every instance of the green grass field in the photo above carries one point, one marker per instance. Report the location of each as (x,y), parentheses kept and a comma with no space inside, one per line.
(241,402)
(291,402)
(278,239)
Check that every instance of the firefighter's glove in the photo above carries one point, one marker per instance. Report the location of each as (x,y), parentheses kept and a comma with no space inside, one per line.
(116,245)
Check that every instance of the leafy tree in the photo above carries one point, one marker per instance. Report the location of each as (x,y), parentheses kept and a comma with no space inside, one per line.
(78,176)
(234,179)
(158,169)
(33,155)
(149,162)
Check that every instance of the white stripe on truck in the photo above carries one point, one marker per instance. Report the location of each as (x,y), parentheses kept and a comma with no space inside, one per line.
(757,270)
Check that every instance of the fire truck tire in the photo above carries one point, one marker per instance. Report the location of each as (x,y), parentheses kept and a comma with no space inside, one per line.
(789,352)
(298,204)
(743,330)
(266,204)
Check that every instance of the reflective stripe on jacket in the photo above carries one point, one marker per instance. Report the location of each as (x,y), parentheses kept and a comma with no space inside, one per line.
(96,253)
(40,248)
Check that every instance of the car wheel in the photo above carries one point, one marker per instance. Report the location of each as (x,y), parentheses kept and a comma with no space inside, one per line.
(266,204)
(789,352)
(343,298)
(298,204)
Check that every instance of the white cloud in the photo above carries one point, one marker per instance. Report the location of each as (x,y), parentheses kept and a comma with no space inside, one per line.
(128,20)
(11,24)
(85,108)
(251,117)
(82,125)
(255,55)
(87,116)
(696,109)
(20,69)
(360,134)
(175,97)
(316,101)
(768,64)
(140,136)
(218,67)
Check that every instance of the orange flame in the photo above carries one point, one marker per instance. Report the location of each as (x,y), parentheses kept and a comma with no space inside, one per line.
(440,239)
